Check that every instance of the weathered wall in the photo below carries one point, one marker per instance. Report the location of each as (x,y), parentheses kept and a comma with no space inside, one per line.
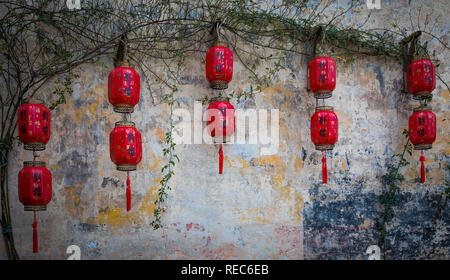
(269,207)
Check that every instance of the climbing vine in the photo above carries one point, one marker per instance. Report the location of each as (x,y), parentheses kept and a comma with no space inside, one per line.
(167,169)
(65,90)
(389,196)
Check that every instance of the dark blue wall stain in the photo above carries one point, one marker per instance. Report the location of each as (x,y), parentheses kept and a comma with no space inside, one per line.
(333,223)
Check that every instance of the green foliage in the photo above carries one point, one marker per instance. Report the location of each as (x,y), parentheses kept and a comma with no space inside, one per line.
(66,89)
(167,169)
(389,197)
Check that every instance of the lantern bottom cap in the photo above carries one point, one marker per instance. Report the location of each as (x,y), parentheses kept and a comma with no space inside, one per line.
(35,208)
(221,139)
(218,84)
(123,108)
(423,146)
(126,167)
(322,147)
(421,95)
(34,163)
(322,94)
(34,146)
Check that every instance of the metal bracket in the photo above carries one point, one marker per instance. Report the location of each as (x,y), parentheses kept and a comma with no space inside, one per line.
(408,45)
(311,50)
(122,52)
(215,32)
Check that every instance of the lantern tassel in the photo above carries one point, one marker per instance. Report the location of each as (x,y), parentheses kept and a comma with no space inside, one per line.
(220,159)
(324,167)
(422,168)
(35,235)
(128,191)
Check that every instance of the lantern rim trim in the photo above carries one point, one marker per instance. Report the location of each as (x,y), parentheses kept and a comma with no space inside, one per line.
(220,43)
(323,94)
(32,101)
(324,108)
(322,55)
(123,108)
(324,147)
(124,123)
(423,146)
(421,95)
(34,207)
(422,108)
(126,167)
(34,146)
(33,164)
(221,139)
(421,57)
(220,99)
(218,84)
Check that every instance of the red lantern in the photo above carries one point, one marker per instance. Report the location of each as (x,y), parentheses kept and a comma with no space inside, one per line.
(421,78)
(322,76)
(35,191)
(221,125)
(124,86)
(125,143)
(219,67)
(422,133)
(324,133)
(33,122)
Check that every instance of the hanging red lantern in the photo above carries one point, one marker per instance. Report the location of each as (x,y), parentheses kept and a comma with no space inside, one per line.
(422,133)
(219,67)
(221,125)
(125,143)
(35,191)
(124,86)
(421,78)
(33,120)
(322,76)
(324,133)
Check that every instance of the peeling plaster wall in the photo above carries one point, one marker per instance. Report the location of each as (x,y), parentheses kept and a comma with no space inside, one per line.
(268,207)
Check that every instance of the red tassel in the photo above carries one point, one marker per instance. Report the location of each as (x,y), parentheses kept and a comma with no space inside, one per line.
(220,160)
(128,191)
(35,236)
(324,167)
(422,168)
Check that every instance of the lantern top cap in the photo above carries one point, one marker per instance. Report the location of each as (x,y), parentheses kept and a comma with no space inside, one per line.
(124,123)
(32,101)
(34,163)
(125,66)
(220,98)
(422,108)
(421,56)
(220,43)
(322,55)
(324,108)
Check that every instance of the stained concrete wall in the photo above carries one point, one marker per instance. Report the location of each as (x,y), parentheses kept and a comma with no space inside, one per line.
(269,207)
